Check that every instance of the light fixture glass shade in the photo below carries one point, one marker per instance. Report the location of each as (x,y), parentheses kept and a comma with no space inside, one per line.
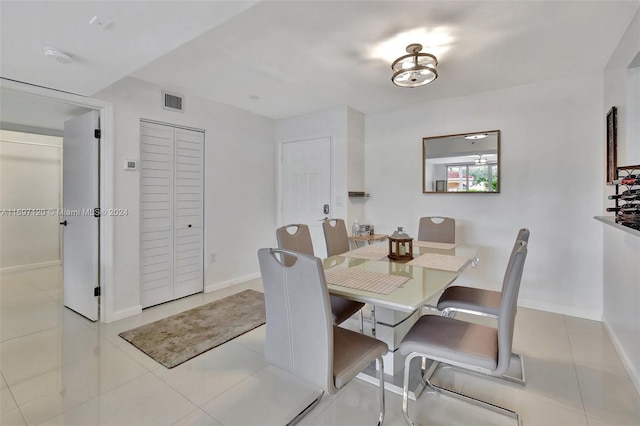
(415,69)
(477,136)
(480,160)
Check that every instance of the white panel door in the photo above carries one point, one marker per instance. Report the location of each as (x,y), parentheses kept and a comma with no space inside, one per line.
(156,214)
(172,213)
(306,186)
(188,213)
(81,238)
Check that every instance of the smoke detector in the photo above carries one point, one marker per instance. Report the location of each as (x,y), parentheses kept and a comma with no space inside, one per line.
(58,56)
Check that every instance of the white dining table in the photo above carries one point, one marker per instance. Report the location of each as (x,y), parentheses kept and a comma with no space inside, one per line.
(397,310)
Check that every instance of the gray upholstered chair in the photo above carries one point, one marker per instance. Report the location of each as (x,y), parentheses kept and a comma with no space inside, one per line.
(300,241)
(335,236)
(337,241)
(476,301)
(300,335)
(437,229)
(467,345)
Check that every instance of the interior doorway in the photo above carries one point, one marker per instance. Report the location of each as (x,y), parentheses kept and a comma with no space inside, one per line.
(306,186)
(39,110)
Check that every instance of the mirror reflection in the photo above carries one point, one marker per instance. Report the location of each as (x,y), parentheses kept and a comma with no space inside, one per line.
(467,162)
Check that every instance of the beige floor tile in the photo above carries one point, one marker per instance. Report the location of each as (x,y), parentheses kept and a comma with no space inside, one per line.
(29,356)
(7,402)
(12,418)
(253,339)
(143,401)
(547,322)
(212,373)
(595,351)
(269,397)
(197,418)
(80,372)
(28,314)
(140,357)
(609,397)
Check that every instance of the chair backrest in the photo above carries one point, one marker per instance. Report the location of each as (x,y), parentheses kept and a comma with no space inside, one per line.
(509,307)
(335,236)
(523,235)
(437,229)
(298,241)
(299,335)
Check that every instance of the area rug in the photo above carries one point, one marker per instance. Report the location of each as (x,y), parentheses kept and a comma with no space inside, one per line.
(178,338)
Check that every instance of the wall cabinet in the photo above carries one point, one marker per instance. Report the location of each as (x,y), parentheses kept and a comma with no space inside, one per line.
(171,213)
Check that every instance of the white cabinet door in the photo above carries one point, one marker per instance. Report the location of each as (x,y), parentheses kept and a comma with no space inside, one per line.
(172,213)
(156,214)
(188,211)
(80,196)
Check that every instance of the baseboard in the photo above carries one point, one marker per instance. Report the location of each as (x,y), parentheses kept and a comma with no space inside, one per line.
(632,369)
(224,284)
(30,266)
(560,309)
(125,313)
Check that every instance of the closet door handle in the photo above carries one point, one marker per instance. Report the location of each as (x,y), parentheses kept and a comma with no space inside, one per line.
(189,225)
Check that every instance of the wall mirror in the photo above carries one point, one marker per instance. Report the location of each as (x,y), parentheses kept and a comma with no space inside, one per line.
(467,162)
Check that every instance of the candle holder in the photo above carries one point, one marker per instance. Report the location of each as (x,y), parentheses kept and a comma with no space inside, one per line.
(400,246)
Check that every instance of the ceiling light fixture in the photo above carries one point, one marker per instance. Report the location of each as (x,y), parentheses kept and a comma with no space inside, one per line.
(478,136)
(480,160)
(415,69)
(58,56)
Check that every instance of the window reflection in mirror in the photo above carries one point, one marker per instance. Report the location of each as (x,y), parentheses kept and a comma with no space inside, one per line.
(467,162)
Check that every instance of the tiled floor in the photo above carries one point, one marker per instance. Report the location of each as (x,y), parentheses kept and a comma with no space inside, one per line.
(58,368)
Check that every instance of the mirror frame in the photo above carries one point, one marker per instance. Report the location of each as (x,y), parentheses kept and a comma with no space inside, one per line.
(424,158)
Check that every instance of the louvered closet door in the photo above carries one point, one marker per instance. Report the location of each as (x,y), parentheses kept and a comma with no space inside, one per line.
(156,224)
(172,224)
(188,211)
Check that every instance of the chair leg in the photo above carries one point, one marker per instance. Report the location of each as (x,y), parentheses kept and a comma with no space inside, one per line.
(361,322)
(306,410)
(519,380)
(405,390)
(451,312)
(453,394)
(381,384)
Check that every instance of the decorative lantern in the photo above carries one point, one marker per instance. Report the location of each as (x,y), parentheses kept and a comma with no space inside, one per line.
(400,246)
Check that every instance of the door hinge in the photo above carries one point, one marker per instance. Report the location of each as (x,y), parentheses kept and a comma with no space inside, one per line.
(97,133)
(96,291)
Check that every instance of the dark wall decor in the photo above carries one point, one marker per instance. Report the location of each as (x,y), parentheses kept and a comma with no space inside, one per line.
(612,140)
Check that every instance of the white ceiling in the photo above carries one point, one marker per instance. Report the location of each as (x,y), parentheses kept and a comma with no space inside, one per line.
(297,57)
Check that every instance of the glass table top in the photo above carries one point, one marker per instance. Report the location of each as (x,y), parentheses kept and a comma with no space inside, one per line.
(422,283)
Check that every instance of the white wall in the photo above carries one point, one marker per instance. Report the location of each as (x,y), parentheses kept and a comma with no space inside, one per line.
(551,175)
(621,258)
(355,168)
(239,186)
(345,127)
(30,173)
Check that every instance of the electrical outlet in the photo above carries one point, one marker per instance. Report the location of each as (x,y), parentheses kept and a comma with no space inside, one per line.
(212,258)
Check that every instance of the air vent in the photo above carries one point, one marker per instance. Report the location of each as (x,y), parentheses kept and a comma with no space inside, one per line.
(172,102)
